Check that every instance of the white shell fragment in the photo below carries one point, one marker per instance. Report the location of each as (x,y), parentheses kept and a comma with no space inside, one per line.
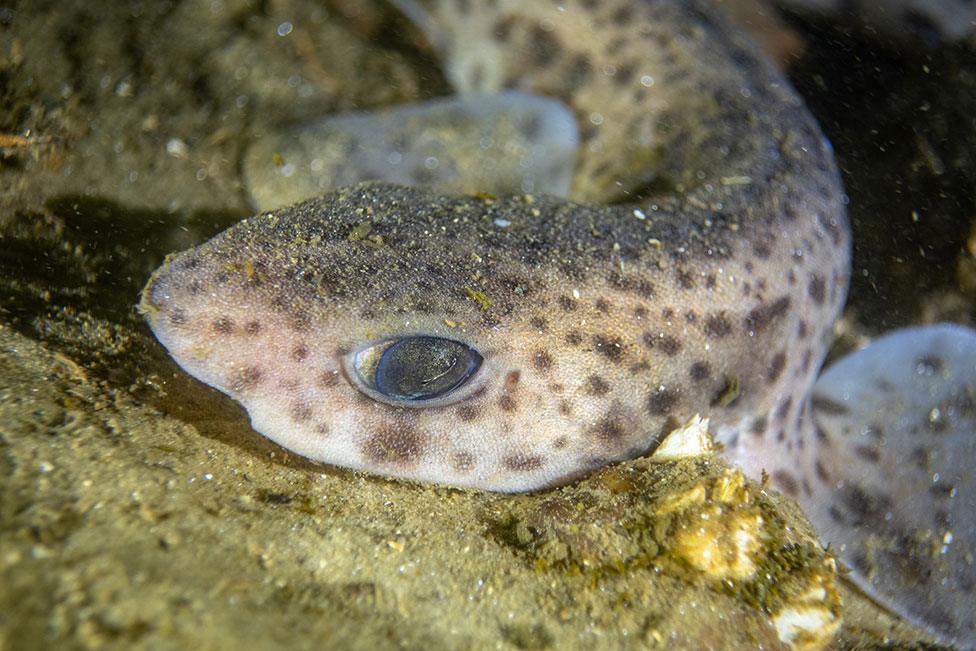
(690,440)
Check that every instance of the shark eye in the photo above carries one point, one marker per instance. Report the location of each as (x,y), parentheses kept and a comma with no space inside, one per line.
(415,371)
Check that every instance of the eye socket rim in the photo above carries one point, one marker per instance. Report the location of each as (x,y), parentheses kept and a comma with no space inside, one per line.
(469,386)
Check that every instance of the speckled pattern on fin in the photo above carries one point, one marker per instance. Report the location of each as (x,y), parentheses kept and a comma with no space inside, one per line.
(892,466)
(499,143)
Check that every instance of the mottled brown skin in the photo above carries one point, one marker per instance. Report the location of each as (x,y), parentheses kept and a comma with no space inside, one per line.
(600,329)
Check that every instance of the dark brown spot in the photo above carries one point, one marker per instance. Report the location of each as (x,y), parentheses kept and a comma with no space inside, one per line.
(329,378)
(395,445)
(538,323)
(609,347)
(699,371)
(821,471)
(639,367)
(640,311)
(542,360)
(507,403)
(574,338)
(686,280)
(801,329)
(603,305)
(837,516)
(666,344)
(580,70)
(786,482)
(462,461)
(557,387)
(617,44)
(625,74)
(252,327)
(776,366)
(759,426)
(765,315)
(784,409)
(299,353)
(691,317)
(864,506)
(623,16)
(246,378)
(512,380)
(762,249)
(177,317)
(867,453)
(503,28)
(522,462)
(828,406)
(821,434)
(545,47)
(300,412)
(565,408)
(468,413)
(223,325)
(830,226)
(560,442)
(608,429)
(817,289)
(597,386)
(805,362)
(566,303)
(718,325)
(662,400)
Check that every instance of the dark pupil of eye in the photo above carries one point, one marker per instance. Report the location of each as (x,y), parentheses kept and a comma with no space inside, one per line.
(421,368)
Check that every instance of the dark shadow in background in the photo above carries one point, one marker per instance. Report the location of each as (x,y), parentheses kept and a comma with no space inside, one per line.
(70,277)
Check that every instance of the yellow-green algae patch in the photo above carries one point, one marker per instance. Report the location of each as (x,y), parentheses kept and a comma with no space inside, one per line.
(697,521)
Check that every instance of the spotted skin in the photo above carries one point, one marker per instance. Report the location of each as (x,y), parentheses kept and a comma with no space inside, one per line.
(603,327)
(699,268)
